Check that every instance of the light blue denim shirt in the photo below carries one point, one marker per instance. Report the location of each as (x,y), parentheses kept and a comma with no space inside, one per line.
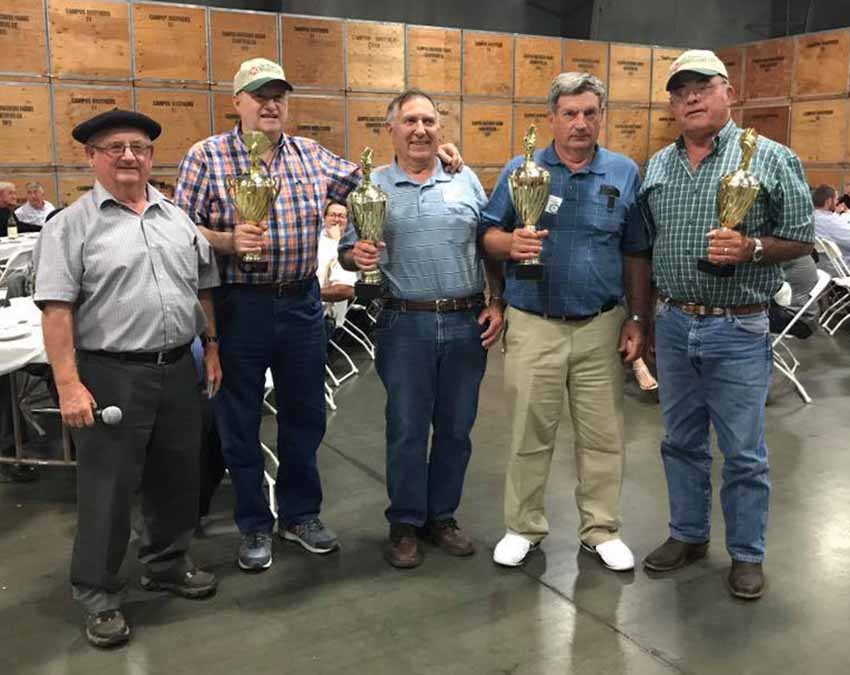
(431,234)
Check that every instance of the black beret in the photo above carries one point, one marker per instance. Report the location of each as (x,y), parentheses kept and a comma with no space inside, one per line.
(113,119)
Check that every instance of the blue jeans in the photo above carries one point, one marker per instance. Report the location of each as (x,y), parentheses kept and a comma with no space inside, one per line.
(431,365)
(715,370)
(258,330)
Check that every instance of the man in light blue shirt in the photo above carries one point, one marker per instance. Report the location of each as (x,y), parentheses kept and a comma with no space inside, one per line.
(434,330)
(829,224)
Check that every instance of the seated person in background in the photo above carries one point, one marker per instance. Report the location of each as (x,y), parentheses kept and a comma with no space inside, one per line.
(830,225)
(36,209)
(801,274)
(337,284)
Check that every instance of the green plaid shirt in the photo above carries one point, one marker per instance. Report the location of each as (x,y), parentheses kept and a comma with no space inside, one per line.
(680,208)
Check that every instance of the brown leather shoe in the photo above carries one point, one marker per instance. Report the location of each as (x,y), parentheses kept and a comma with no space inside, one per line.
(673,554)
(448,536)
(402,551)
(746,580)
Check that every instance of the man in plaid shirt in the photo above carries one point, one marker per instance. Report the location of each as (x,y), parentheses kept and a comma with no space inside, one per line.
(711,332)
(271,319)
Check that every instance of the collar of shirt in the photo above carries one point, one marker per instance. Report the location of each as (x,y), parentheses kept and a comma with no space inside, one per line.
(102,195)
(597,165)
(236,134)
(723,136)
(397,175)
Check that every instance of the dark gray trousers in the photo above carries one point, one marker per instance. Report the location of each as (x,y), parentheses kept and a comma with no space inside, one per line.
(154,453)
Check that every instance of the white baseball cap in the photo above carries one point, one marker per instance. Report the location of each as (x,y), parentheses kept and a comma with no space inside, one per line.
(254,73)
(700,61)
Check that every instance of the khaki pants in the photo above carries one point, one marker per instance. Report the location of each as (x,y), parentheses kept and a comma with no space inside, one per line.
(544,361)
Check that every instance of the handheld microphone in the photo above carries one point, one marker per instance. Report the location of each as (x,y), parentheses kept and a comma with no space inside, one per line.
(110,415)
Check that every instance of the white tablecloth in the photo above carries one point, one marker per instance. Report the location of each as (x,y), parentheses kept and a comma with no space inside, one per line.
(16,353)
(8,246)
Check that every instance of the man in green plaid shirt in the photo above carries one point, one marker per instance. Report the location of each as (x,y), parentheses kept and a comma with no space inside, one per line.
(711,332)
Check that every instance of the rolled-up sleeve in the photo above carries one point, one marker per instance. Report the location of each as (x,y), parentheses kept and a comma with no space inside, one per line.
(58,260)
(790,204)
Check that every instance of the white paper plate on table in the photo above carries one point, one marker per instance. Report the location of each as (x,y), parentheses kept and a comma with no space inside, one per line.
(15,331)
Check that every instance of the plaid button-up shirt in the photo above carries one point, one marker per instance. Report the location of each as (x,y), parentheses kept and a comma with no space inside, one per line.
(308,173)
(680,205)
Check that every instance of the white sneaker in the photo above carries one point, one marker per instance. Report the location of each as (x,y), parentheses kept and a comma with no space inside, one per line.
(512,550)
(614,554)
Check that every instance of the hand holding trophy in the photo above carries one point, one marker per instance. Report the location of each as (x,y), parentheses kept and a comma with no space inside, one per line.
(529,189)
(735,197)
(367,204)
(253,193)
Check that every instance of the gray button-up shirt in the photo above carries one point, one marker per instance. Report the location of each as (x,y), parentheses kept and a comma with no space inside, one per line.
(133,279)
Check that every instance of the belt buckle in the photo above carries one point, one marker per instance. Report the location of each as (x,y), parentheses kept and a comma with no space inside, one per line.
(160,358)
(443,304)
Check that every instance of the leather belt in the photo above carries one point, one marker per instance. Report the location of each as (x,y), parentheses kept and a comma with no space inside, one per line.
(441,305)
(283,289)
(707,310)
(165,358)
(607,307)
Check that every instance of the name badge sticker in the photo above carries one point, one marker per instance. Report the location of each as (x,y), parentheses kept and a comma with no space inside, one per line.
(451,194)
(553,204)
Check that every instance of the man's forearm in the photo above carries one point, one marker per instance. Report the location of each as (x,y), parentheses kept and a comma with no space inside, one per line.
(497,243)
(337,293)
(206,300)
(778,250)
(495,272)
(57,325)
(636,278)
(222,242)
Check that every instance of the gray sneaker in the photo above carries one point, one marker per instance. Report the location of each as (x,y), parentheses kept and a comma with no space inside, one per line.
(312,535)
(255,551)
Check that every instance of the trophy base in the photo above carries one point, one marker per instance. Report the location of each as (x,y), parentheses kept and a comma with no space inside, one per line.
(253,266)
(367,291)
(531,272)
(704,265)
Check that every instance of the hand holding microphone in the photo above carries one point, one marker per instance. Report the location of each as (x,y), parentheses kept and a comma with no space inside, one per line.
(79,409)
(110,415)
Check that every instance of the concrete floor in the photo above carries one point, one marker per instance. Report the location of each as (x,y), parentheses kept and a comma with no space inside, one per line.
(562,613)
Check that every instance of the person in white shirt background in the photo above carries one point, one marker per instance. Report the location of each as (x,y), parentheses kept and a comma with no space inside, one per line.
(337,284)
(37,208)
(829,224)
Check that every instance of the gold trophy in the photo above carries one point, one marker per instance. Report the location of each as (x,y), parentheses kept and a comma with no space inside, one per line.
(529,189)
(367,204)
(253,193)
(735,197)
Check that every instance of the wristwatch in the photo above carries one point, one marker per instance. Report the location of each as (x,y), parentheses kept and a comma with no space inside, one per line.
(206,339)
(758,250)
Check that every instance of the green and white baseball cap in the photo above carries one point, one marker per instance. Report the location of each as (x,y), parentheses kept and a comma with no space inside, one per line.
(700,61)
(254,73)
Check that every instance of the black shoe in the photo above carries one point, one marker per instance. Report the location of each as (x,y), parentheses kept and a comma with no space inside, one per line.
(746,580)
(193,584)
(17,473)
(673,554)
(107,629)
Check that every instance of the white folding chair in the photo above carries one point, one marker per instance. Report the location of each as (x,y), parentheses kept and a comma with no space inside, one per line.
(18,260)
(787,363)
(355,332)
(270,455)
(841,281)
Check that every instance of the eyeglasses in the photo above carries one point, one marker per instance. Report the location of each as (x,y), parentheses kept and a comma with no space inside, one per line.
(680,94)
(262,99)
(115,150)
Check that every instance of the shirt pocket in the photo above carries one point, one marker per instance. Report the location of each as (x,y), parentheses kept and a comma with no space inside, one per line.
(607,217)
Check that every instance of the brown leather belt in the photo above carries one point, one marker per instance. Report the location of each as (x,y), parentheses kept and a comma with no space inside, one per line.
(282,289)
(441,305)
(165,358)
(708,310)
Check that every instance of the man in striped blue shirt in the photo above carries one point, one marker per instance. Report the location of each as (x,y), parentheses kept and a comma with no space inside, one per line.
(434,330)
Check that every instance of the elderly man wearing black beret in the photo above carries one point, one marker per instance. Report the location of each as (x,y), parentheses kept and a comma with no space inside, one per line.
(124,279)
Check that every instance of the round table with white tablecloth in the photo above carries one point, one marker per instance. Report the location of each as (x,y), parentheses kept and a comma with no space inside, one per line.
(8,246)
